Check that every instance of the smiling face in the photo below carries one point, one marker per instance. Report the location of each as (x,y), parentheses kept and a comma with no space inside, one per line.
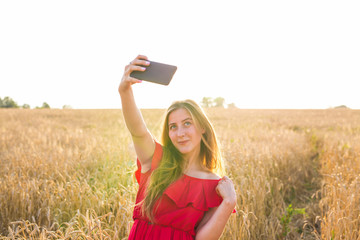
(183,133)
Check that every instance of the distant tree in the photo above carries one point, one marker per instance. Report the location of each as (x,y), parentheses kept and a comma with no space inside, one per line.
(341,106)
(231,105)
(26,106)
(8,102)
(1,103)
(207,102)
(219,102)
(67,107)
(45,105)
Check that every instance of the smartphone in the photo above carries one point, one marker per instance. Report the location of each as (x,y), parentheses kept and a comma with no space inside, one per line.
(156,72)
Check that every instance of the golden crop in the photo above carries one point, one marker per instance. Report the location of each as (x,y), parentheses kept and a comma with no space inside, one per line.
(68,174)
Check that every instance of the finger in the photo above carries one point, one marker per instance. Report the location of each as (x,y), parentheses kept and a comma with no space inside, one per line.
(224,178)
(131,68)
(217,190)
(141,57)
(140,62)
(134,80)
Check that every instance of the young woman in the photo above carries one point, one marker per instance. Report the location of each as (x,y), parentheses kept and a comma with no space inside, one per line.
(180,195)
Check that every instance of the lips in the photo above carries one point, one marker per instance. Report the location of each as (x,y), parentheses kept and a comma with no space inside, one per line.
(183,142)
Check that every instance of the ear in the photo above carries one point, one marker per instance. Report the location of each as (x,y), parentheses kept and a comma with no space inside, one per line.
(203,131)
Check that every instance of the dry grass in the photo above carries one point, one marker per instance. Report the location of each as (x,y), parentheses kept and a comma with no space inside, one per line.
(67,174)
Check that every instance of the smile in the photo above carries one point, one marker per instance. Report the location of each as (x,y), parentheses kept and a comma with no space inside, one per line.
(183,142)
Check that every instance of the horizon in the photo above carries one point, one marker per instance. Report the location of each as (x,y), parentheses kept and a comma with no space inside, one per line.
(225,106)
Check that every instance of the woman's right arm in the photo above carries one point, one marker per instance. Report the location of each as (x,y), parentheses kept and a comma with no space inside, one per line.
(142,138)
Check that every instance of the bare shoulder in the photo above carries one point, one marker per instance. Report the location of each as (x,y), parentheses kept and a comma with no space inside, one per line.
(211,175)
(203,175)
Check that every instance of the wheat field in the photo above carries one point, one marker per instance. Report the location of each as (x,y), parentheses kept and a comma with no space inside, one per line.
(68,174)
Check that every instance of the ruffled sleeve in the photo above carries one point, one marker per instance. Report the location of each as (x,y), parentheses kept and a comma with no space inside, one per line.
(138,171)
(199,193)
(154,162)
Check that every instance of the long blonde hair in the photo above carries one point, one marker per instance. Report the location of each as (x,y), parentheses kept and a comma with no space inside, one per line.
(173,164)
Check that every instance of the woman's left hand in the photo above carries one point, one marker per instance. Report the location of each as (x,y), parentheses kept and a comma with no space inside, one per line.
(226,190)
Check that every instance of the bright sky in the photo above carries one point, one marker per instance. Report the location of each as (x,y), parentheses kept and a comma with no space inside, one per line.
(256,54)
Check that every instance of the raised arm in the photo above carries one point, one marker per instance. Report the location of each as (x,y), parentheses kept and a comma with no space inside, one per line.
(142,138)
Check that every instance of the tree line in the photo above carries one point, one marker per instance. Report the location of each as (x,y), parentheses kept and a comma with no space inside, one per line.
(208,102)
(8,102)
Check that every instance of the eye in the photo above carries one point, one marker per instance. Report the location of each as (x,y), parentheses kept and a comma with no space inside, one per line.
(187,124)
(172,127)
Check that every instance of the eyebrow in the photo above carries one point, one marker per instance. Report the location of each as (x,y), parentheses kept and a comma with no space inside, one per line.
(186,119)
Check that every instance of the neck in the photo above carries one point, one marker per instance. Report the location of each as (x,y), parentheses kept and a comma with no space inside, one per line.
(193,161)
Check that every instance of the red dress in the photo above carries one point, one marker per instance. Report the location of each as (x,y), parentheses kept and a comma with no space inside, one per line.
(181,208)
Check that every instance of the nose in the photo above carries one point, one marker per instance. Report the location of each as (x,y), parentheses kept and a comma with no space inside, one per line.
(181,132)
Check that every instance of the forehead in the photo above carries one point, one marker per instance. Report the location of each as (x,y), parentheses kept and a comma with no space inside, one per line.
(179,115)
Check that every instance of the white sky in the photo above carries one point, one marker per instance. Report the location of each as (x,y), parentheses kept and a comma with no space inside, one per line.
(257,54)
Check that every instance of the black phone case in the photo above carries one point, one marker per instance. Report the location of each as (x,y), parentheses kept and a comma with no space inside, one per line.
(156,72)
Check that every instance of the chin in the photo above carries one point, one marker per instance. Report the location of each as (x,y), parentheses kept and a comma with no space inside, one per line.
(182,150)
(185,151)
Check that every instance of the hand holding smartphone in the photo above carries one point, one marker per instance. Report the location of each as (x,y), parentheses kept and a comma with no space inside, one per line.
(156,72)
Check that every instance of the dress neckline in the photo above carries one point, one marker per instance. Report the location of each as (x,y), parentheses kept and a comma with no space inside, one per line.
(205,179)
